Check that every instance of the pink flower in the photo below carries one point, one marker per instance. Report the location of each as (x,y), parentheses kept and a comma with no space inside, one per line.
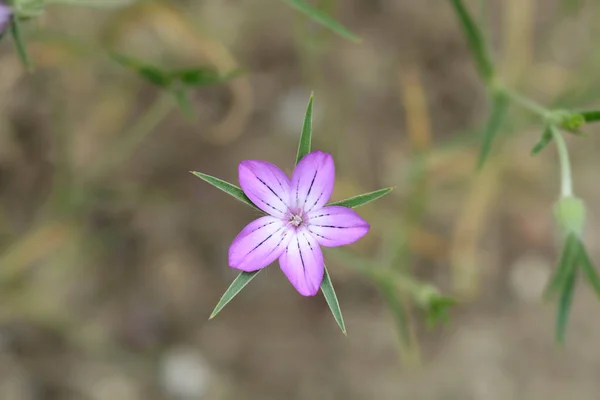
(5,16)
(298,223)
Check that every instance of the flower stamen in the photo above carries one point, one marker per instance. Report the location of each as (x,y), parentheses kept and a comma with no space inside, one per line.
(295,220)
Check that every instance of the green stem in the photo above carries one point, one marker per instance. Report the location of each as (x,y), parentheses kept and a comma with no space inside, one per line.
(566,188)
(158,111)
(527,103)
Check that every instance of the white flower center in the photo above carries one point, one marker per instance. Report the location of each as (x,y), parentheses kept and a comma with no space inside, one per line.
(296,220)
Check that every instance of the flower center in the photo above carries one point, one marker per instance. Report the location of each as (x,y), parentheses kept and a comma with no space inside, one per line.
(295,220)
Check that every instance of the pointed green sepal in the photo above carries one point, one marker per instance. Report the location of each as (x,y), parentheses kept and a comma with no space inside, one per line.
(588,268)
(566,265)
(362,199)
(236,286)
(306,135)
(564,306)
(232,190)
(332,301)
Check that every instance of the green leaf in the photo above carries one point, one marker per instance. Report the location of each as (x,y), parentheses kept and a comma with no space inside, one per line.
(306,135)
(197,76)
(332,301)
(15,30)
(227,187)
(362,199)
(181,96)
(476,41)
(545,139)
(493,125)
(437,311)
(399,314)
(588,269)
(236,286)
(322,18)
(564,306)
(565,266)
(148,72)
(590,116)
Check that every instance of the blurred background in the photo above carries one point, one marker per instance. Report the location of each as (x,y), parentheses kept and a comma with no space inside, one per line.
(112,255)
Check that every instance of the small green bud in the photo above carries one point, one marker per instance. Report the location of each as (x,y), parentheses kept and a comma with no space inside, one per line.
(569,213)
(567,120)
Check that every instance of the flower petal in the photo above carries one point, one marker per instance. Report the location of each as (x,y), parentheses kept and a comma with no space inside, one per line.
(5,15)
(259,244)
(266,185)
(302,263)
(312,181)
(336,226)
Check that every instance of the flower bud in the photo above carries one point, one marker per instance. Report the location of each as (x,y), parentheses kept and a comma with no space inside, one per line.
(569,213)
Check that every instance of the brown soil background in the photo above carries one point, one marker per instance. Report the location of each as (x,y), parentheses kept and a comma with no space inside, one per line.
(107,280)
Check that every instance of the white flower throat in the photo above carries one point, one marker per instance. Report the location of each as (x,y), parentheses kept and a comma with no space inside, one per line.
(296,220)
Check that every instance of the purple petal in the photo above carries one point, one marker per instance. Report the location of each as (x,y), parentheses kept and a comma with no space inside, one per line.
(312,181)
(5,15)
(336,226)
(302,263)
(266,185)
(259,244)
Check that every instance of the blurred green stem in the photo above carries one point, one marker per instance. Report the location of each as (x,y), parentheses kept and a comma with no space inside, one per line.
(566,185)
(158,111)
(526,103)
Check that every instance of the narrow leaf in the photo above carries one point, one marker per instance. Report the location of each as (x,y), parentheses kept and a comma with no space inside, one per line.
(493,125)
(197,76)
(236,286)
(590,116)
(399,314)
(564,306)
(588,268)
(148,72)
(202,76)
(565,266)
(545,139)
(332,301)
(227,187)
(437,312)
(362,199)
(15,30)
(320,17)
(306,135)
(476,41)
(181,96)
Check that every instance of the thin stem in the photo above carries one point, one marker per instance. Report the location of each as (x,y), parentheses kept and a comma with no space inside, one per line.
(566,187)
(158,111)
(527,103)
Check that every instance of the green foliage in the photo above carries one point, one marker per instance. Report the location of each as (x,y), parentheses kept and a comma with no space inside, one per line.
(236,286)
(232,190)
(362,199)
(20,46)
(320,17)
(476,41)
(332,301)
(306,135)
(493,125)
(177,82)
(545,139)
(590,116)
